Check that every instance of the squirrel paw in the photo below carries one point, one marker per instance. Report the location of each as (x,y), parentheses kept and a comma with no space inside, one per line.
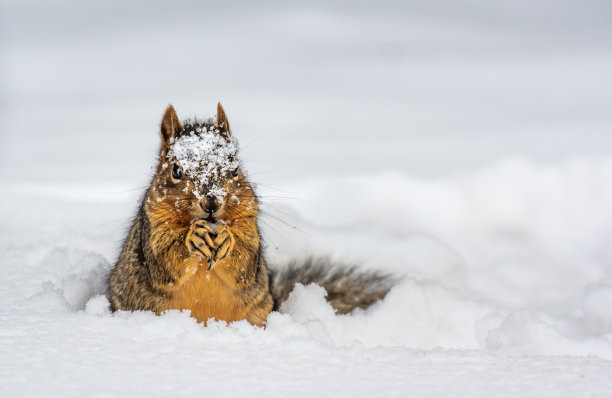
(200,240)
(224,242)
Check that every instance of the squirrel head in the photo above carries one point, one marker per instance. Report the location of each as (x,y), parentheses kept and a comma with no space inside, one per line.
(198,175)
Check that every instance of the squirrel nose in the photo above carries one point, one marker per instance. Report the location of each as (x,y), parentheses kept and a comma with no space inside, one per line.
(209,204)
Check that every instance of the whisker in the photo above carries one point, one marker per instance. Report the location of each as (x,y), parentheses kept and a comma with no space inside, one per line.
(272,187)
(294,227)
(254,140)
(128,190)
(281,211)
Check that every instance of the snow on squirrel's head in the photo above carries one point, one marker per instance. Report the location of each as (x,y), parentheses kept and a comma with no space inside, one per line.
(198,171)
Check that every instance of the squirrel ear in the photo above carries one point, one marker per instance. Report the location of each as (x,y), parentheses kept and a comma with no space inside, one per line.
(222,122)
(170,126)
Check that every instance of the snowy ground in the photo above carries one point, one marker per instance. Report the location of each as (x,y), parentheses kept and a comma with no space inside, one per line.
(465,147)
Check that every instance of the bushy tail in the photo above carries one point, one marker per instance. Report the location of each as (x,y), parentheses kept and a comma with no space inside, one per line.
(347,288)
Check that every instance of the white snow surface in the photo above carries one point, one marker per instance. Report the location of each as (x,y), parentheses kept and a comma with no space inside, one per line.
(464,147)
(499,293)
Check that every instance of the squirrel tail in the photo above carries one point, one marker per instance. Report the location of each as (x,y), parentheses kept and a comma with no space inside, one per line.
(347,288)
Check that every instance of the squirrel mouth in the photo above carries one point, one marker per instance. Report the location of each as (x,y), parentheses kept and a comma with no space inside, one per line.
(210,218)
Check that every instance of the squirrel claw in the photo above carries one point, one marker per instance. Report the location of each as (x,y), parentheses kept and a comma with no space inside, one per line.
(224,242)
(212,245)
(199,242)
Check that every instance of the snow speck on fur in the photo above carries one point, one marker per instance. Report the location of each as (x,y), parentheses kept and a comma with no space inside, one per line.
(206,157)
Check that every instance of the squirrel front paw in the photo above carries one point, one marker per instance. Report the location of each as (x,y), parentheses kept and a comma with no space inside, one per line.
(224,242)
(200,240)
(213,245)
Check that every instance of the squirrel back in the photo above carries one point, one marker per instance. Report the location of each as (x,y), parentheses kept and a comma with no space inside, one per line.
(195,242)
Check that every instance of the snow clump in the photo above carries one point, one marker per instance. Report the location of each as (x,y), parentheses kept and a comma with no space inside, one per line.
(205,155)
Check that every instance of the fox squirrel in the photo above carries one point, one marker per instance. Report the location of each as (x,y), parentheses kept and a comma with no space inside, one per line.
(195,243)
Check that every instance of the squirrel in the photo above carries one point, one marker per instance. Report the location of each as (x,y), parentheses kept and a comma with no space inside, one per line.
(195,243)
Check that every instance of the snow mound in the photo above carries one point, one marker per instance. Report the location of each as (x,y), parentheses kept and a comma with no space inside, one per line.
(70,283)
(597,305)
(483,288)
(413,314)
(529,333)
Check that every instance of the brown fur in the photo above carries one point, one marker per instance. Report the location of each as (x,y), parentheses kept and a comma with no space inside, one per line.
(175,258)
(346,287)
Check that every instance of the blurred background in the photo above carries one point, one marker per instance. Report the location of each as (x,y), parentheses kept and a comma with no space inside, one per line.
(311,88)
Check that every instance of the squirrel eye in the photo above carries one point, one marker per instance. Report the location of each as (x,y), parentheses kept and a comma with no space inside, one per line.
(235,172)
(177,174)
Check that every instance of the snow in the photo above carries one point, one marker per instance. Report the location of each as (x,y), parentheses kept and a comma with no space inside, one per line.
(495,297)
(464,148)
(205,156)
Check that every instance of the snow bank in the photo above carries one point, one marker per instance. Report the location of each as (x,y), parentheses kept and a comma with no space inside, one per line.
(477,274)
(71,283)
(498,266)
(511,258)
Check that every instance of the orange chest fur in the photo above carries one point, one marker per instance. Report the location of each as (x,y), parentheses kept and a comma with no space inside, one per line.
(207,296)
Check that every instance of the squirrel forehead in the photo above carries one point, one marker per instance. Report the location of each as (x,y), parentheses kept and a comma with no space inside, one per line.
(204,153)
